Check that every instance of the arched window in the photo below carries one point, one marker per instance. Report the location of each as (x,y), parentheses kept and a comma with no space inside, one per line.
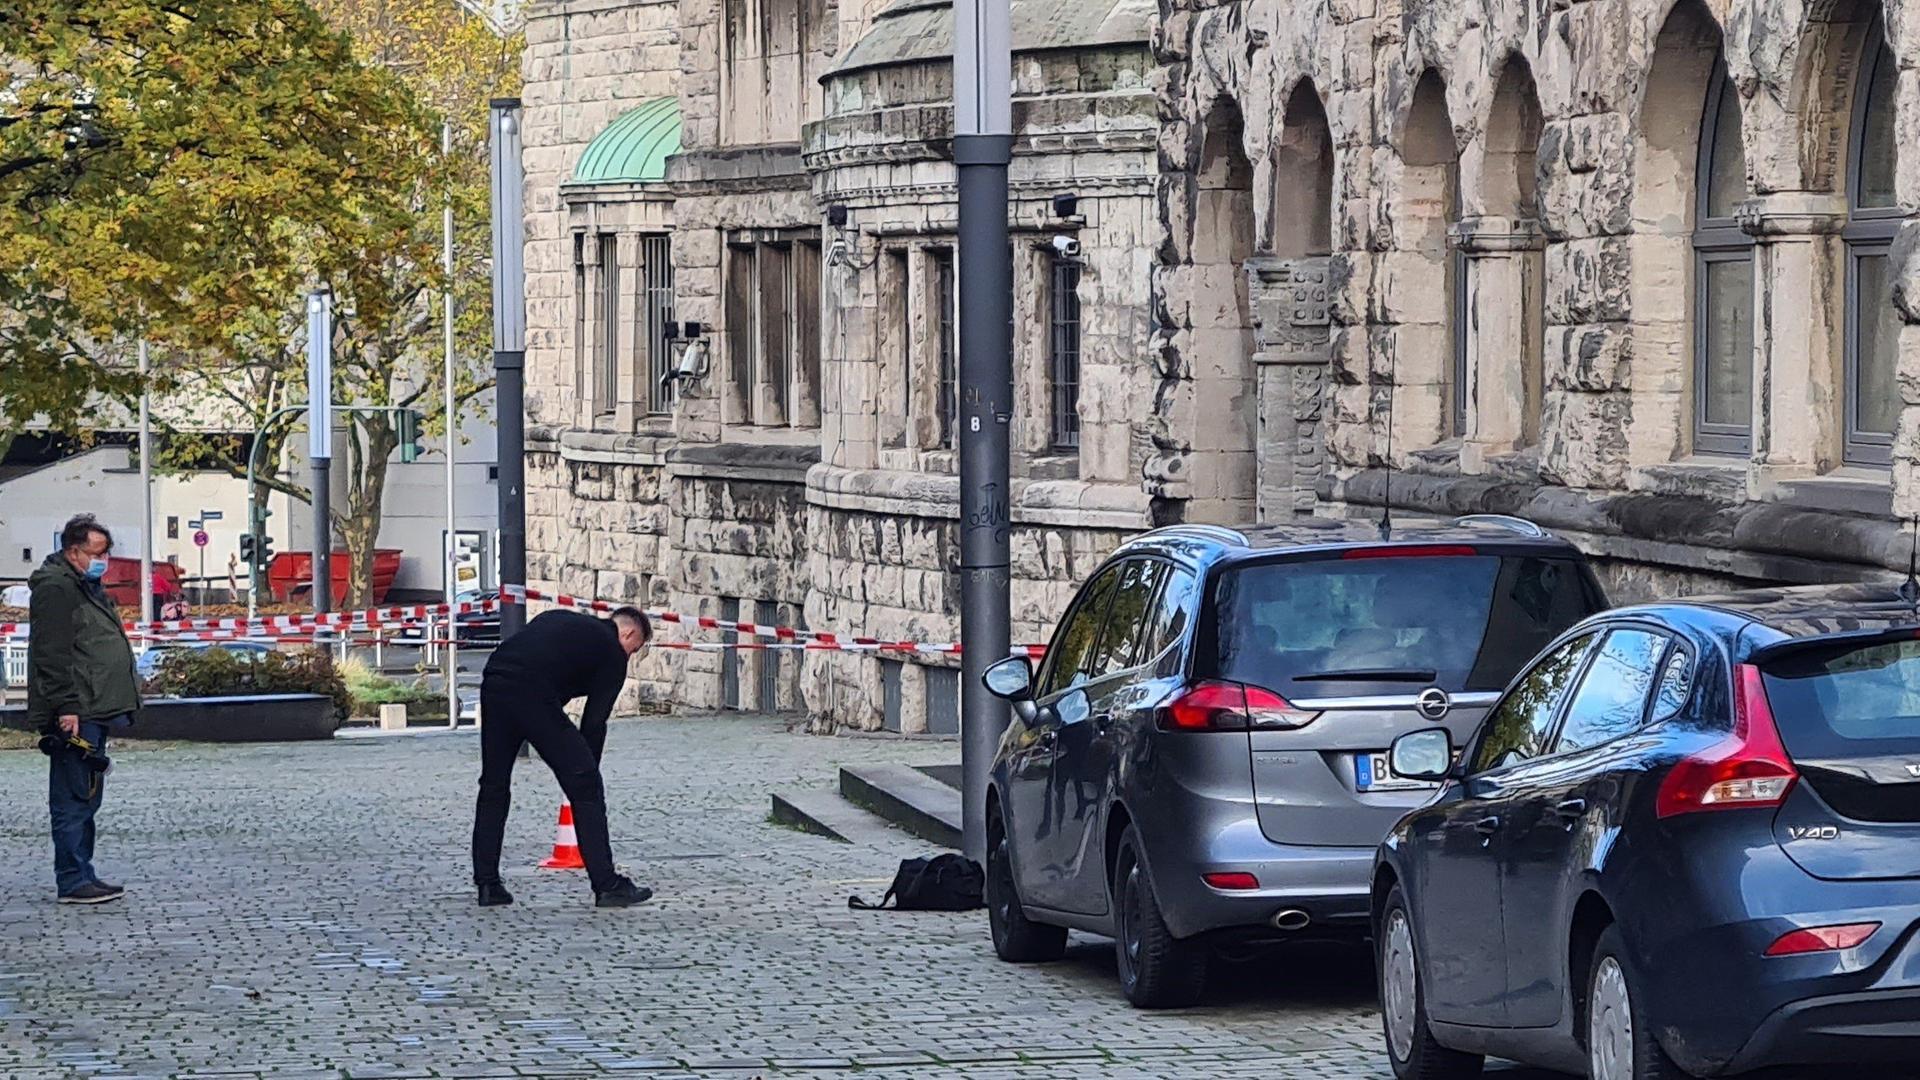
(1723,281)
(1873,403)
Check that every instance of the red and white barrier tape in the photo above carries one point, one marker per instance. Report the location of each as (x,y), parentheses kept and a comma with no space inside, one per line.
(288,628)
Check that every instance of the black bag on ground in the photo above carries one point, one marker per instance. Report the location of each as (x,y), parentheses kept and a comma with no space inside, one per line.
(942,883)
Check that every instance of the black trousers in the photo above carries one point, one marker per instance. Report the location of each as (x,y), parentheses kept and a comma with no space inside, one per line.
(508,718)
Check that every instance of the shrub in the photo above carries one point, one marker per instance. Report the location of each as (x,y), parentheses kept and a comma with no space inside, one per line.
(217,672)
(369,689)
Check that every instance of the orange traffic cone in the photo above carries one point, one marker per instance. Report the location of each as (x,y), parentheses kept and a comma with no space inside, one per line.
(566,846)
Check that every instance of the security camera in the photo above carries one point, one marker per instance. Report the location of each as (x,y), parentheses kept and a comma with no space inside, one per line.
(692,363)
(1066,247)
(836,252)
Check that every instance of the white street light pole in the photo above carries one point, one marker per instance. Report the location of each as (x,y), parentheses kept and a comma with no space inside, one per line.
(450,564)
(146,493)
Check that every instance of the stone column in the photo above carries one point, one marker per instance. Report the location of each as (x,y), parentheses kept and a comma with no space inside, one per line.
(1798,282)
(1292,350)
(1503,336)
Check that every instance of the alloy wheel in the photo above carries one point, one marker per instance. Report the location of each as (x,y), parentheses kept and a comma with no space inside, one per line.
(1130,919)
(1401,984)
(1610,1024)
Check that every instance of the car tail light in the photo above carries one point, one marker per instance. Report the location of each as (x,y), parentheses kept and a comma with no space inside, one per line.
(1410,551)
(1237,881)
(1822,939)
(1230,706)
(1749,768)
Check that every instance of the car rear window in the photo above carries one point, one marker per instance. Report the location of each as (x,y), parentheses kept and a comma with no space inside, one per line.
(1847,699)
(1334,627)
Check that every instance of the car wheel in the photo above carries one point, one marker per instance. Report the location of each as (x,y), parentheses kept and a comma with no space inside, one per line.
(1157,970)
(1016,938)
(1620,1040)
(1415,1054)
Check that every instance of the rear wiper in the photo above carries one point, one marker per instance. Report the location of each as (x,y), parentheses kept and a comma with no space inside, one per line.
(1425,675)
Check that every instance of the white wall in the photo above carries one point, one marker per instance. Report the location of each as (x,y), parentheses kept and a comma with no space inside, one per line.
(105,482)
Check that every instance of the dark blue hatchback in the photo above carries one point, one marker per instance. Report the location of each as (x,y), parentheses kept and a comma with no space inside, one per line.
(1685,841)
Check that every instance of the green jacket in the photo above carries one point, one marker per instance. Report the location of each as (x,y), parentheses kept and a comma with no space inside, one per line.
(79,662)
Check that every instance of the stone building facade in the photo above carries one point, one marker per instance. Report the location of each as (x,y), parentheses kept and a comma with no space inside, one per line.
(1636,269)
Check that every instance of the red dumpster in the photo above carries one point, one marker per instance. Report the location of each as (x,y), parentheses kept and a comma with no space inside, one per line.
(290,575)
(123,579)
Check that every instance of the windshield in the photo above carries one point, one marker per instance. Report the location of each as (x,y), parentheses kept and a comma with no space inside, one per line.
(1334,627)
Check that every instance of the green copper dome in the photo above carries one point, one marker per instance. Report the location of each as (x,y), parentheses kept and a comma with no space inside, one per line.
(635,147)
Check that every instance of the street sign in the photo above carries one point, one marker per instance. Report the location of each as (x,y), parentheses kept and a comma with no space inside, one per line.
(212,515)
(194,523)
(200,538)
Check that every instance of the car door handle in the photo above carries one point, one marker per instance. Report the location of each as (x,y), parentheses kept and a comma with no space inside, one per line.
(1571,809)
(1487,826)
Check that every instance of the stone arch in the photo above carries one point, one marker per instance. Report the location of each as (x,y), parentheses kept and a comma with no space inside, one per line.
(1303,177)
(1504,275)
(1687,49)
(1422,319)
(1834,56)
(1220,341)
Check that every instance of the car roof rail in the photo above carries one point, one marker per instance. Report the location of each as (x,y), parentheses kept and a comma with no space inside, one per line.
(1218,532)
(1505,521)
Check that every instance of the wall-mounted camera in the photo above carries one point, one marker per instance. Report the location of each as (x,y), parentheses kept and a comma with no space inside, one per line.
(1067,247)
(689,343)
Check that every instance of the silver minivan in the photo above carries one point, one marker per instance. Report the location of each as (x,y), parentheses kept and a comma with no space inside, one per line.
(1200,759)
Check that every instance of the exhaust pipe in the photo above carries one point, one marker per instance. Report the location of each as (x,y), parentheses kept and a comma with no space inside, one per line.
(1291,919)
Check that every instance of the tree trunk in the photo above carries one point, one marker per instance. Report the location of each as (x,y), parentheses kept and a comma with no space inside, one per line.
(360,524)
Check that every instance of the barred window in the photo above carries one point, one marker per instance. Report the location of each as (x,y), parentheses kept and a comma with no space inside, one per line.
(947,316)
(1064,354)
(656,303)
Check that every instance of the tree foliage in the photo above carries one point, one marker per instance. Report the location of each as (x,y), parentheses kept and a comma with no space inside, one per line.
(175,170)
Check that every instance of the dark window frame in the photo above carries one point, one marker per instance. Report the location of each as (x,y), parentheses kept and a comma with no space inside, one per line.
(606,366)
(1714,240)
(946,293)
(1868,233)
(1065,349)
(656,308)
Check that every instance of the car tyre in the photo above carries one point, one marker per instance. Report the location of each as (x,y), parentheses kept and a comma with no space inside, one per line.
(1016,938)
(1157,970)
(1411,1047)
(1619,1033)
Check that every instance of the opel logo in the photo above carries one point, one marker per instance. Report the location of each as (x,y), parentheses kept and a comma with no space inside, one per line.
(1433,703)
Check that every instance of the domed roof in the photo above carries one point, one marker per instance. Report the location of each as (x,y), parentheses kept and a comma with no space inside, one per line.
(918,31)
(635,147)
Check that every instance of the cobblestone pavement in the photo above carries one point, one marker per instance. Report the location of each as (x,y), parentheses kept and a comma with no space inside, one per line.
(302,911)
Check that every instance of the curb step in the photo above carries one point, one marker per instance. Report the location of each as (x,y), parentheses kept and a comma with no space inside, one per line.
(825,813)
(907,797)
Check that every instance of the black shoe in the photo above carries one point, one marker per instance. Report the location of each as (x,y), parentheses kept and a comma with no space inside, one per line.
(623,894)
(495,895)
(93,892)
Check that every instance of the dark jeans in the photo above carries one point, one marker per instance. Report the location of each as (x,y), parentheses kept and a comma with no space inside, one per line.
(509,718)
(73,797)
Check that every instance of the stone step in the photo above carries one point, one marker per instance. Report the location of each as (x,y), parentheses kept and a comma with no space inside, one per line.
(825,813)
(907,797)
(946,774)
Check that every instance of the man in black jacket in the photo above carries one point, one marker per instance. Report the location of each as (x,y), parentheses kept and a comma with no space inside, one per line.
(81,686)
(557,657)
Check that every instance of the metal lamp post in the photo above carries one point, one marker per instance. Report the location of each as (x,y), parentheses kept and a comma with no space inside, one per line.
(982,150)
(510,349)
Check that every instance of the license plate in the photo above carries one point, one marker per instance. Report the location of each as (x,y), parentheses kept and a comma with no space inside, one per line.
(1372,773)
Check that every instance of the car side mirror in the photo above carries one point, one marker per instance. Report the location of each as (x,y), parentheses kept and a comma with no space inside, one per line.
(1426,754)
(1010,679)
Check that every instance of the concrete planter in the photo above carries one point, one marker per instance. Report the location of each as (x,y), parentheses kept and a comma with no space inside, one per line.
(255,718)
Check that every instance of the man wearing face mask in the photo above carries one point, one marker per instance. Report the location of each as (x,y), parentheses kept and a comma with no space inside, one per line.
(81,685)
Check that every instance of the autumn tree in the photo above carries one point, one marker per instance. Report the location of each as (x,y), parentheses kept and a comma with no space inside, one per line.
(173,171)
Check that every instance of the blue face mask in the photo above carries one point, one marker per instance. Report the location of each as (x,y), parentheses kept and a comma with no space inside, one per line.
(96,569)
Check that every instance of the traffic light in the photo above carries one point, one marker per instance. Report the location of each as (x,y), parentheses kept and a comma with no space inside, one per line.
(246,547)
(410,424)
(264,547)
